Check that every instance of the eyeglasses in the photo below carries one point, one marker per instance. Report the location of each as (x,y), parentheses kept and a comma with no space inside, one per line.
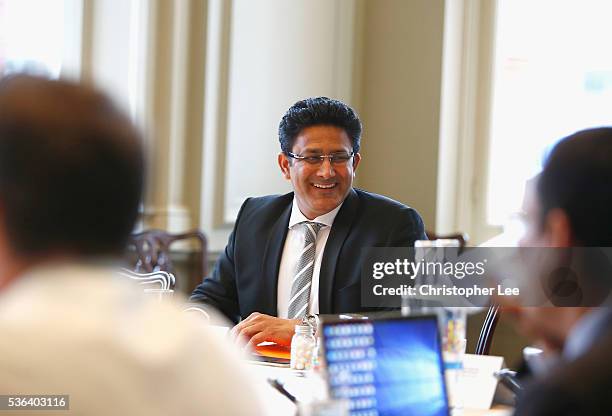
(335,158)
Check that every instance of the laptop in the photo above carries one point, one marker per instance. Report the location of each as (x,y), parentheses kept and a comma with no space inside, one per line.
(386,367)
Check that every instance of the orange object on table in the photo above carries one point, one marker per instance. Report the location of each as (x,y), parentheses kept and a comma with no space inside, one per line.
(270,349)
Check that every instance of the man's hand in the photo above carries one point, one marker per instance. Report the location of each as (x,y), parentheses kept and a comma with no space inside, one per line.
(258,328)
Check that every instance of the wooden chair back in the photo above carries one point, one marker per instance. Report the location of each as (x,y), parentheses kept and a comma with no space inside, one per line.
(151,252)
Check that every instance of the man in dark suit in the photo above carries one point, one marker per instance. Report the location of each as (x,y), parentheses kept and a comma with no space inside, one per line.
(572,208)
(294,256)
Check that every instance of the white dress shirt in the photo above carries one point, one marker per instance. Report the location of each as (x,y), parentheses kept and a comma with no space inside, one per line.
(294,244)
(88,333)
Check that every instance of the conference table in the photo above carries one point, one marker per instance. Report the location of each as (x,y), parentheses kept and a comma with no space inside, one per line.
(311,387)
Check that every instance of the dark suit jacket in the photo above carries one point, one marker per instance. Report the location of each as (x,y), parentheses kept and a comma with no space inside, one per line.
(580,387)
(245,277)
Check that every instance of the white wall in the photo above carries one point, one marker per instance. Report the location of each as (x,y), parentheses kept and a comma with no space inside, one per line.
(402,64)
(211,80)
(109,46)
(280,52)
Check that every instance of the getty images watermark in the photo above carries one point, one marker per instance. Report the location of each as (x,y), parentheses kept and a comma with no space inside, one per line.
(443,276)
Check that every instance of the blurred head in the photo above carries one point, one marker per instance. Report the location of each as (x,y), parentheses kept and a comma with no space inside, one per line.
(570,207)
(71,170)
(573,196)
(310,129)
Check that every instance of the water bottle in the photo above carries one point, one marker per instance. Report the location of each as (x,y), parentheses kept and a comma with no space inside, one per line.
(303,348)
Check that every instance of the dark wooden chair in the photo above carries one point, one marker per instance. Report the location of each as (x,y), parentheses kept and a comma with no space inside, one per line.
(150,252)
(485,339)
(159,280)
(462,237)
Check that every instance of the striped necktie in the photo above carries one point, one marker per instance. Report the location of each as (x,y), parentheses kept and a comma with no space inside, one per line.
(302,280)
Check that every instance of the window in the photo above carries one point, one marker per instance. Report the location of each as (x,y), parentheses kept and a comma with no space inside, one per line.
(552,76)
(38,36)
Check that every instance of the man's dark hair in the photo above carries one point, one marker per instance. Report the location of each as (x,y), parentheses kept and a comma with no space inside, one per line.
(71,168)
(318,111)
(577,178)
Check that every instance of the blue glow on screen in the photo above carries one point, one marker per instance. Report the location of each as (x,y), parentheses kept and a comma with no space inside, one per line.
(388,367)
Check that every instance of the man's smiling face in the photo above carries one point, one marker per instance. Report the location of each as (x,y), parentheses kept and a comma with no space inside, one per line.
(320,187)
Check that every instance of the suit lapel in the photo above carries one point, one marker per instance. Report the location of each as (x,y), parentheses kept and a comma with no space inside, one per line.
(339,231)
(271,262)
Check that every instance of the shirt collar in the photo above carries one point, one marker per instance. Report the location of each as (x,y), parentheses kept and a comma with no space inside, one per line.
(325,219)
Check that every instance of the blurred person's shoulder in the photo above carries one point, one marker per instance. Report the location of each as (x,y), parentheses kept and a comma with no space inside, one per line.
(581,386)
(82,329)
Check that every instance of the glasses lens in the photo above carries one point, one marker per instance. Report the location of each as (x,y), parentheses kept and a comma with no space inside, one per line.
(340,158)
(313,160)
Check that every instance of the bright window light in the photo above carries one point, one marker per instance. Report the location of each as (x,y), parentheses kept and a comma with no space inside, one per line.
(552,77)
(32,36)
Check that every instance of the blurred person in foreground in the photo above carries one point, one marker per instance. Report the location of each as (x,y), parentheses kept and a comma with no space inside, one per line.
(572,207)
(71,172)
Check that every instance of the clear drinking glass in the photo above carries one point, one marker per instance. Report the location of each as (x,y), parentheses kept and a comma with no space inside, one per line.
(451,319)
(429,251)
(452,323)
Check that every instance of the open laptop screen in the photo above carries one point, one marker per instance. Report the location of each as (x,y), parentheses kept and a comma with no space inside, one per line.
(386,367)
